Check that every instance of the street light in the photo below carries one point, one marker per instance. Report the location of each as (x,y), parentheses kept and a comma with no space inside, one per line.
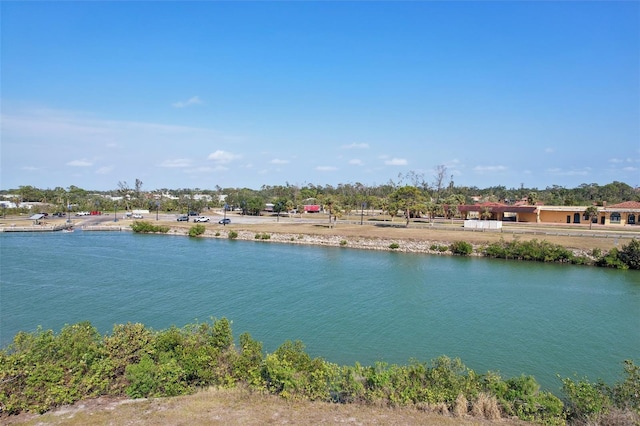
(362,213)
(224,222)
(157,208)
(115,206)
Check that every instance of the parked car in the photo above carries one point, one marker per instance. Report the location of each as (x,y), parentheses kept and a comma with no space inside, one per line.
(183,218)
(137,216)
(201,219)
(194,214)
(83,214)
(224,221)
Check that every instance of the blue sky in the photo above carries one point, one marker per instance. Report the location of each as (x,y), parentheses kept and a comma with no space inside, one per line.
(245,94)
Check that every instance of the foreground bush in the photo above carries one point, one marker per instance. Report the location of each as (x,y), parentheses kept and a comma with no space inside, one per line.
(461,248)
(196,230)
(41,370)
(140,226)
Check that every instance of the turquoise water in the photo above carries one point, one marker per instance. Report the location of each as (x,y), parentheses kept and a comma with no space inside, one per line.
(346,305)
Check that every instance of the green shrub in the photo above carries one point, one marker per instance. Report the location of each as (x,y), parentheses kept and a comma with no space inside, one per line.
(625,394)
(196,230)
(41,370)
(140,226)
(394,246)
(217,234)
(541,251)
(343,243)
(232,235)
(461,248)
(630,254)
(587,400)
(612,259)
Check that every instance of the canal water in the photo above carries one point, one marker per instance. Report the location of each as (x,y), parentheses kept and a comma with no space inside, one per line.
(345,305)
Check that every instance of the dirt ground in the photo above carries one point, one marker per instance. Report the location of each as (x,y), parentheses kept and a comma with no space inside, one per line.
(237,407)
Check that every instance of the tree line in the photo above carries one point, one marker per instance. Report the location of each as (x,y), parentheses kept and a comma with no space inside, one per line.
(409,194)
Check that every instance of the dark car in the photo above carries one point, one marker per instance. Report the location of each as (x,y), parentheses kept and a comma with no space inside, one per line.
(183,218)
(194,214)
(224,221)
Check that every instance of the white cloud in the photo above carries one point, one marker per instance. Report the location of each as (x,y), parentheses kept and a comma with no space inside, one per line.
(176,163)
(396,162)
(573,172)
(279,161)
(630,169)
(356,146)
(194,100)
(356,162)
(620,160)
(223,157)
(326,168)
(489,169)
(104,170)
(80,163)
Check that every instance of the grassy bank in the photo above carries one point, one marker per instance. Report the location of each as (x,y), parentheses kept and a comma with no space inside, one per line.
(43,370)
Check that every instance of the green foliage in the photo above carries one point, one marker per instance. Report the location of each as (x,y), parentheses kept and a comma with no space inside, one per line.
(149,379)
(586,400)
(41,370)
(626,394)
(144,227)
(630,254)
(541,251)
(196,230)
(343,243)
(612,260)
(521,397)
(461,248)
(232,235)
(394,246)
(262,236)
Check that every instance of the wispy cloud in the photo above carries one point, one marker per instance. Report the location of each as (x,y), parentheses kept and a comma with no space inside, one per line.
(194,100)
(489,169)
(80,163)
(356,162)
(279,161)
(356,146)
(326,168)
(223,157)
(176,163)
(396,162)
(571,172)
(105,170)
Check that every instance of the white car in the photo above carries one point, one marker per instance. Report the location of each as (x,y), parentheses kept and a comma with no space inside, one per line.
(137,216)
(201,219)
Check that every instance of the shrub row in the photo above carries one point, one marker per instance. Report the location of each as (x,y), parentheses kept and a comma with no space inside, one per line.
(40,370)
(144,227)
(628,257)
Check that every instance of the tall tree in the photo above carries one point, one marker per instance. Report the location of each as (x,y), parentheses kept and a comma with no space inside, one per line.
(591,212)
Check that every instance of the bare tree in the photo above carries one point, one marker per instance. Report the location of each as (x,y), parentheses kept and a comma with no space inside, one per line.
(441,174)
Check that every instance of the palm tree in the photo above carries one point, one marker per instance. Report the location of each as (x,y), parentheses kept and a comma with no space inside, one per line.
(591,212)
